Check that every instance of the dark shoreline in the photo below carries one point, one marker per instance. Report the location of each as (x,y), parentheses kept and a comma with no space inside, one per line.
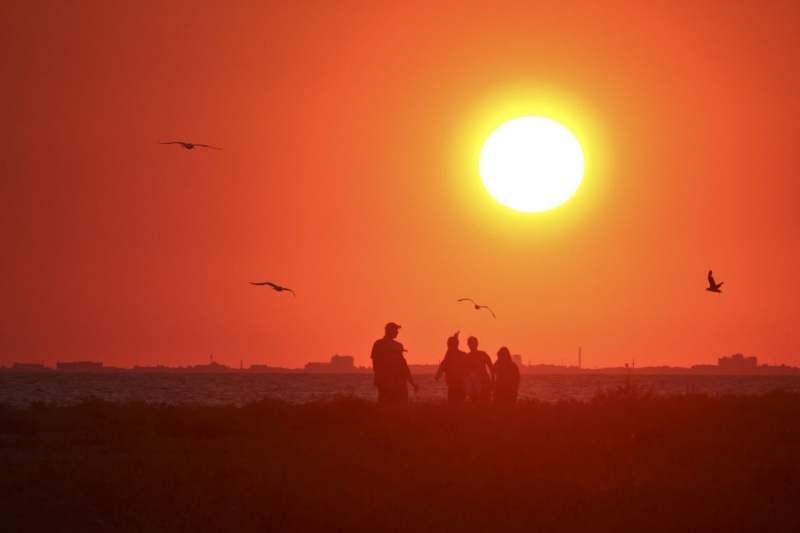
(535,370)
(626,460)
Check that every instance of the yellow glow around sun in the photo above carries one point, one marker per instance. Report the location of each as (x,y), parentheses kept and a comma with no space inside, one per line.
(531,164)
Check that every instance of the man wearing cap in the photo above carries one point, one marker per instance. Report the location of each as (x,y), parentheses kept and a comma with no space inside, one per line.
(390,367)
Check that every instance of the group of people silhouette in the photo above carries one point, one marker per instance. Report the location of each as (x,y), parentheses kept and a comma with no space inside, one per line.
(469,375)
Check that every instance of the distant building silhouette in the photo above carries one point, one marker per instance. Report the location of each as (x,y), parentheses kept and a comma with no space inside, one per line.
(266,369)
(80,366)
(738,363)
(30,367)
(338,364)
(213,366)
(156,369)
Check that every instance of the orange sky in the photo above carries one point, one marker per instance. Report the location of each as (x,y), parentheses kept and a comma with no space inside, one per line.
(350,134)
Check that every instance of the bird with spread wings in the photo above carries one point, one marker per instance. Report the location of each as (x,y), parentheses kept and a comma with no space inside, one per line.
(191,146)
(477,306)
(713,286)
(274,287)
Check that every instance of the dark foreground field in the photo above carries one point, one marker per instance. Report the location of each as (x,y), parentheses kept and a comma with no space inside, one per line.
(625,461)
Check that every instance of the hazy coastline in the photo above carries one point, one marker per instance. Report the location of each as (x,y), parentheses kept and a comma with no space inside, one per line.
(736,364)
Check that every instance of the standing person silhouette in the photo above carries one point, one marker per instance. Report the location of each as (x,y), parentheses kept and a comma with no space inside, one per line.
(478,373)
(506,378)
(452,366)
(392,374)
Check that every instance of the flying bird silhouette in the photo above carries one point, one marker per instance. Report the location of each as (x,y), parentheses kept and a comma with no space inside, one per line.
(191,146)
(274,287)
(477,306)
(713,286)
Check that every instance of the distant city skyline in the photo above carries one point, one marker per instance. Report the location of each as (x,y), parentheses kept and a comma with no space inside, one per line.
(734,364)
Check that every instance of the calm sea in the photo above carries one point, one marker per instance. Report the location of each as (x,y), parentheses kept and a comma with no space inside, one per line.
(20,389)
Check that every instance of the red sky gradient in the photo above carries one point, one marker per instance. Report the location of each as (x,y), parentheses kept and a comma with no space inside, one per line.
(350,134)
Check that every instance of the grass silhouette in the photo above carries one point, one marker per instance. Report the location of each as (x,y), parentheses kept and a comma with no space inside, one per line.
(627,460)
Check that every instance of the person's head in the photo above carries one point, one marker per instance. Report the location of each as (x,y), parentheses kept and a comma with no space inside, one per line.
(472,342)
(392,329)
(452,342)
(503,354)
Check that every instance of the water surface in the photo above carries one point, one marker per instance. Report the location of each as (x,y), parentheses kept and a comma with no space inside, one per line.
(20,389)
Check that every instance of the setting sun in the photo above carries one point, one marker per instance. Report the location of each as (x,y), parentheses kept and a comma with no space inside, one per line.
(531,164)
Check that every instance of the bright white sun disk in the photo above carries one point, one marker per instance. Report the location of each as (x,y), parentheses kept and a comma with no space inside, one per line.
(531,164)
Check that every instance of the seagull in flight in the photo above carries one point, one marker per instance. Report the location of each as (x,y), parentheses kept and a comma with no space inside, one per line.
(477,306)
(274,287)
(713,286)
(191,146)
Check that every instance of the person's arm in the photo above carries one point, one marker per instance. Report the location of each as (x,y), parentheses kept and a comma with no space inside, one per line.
(375,356)
(440,370)
(374,352)
(409,378)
